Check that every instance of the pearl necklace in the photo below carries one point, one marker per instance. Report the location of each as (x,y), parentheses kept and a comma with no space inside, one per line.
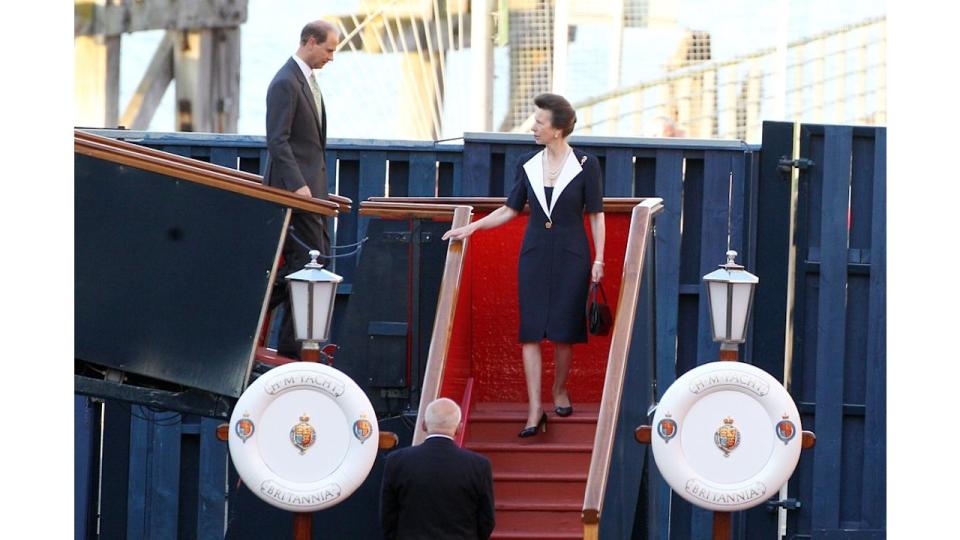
(552,175)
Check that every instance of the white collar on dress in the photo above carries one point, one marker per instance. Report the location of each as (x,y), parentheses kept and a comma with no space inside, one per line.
(534,169)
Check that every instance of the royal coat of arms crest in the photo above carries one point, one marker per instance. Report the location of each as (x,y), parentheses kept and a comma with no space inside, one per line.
(727,437)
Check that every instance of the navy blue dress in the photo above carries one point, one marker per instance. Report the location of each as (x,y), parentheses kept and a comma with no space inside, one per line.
(554,267)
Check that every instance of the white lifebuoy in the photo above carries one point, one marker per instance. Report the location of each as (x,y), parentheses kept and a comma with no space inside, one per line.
(303,436)
(726,436)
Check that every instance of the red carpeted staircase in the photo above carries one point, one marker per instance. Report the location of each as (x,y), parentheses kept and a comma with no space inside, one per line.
(539,481)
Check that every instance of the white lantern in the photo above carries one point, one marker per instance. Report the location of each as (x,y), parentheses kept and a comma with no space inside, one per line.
(312,293)
(730,292)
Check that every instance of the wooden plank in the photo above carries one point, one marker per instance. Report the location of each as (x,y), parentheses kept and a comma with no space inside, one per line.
(373,173)
(713,241)
(114,19)
(511,162)
(224,98)
(115,469)
(154,474)
(831,326)
(225,157)
(476,170)
(348,225)
(193,60)
(86,454)
(770,219)
(423,175)
(618,174)
(874,500)
(97,85)
(669,186)
(149,93)
(772,225)
(212,481)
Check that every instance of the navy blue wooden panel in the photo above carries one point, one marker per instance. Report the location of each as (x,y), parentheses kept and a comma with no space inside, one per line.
(770,200)
(618,174)
(154,474)
(669,186)
(86,438)
(225,157)
(115,470)
(477,170)
(423,175)
(835,190)
(511,161)
(348,185)
(874,502)
(212,496)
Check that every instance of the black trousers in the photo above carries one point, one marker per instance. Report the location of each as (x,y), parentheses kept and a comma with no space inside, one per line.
(306,232)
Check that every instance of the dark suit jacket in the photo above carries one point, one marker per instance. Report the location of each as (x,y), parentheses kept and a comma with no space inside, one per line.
(295,140)
(437,491)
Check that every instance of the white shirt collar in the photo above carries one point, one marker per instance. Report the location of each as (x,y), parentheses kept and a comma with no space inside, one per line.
(303,66)
(439,435)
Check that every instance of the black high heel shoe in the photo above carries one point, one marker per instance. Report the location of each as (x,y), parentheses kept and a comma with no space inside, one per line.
(530,431)
(564,411)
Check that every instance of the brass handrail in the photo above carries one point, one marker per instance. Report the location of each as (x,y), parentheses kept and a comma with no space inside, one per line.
(449,289)
(641,222)
(487,204)
(143,157)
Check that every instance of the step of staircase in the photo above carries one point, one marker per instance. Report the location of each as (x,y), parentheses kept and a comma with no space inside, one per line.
(503,426)
(539,481)
(540,488)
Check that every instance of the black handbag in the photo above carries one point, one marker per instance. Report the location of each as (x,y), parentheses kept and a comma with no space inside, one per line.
(599,318)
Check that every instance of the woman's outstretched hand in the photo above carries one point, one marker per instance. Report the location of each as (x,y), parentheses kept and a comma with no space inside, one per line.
(460,233)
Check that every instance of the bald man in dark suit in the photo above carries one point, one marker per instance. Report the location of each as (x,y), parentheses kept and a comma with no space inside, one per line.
(437,490)
(296,142)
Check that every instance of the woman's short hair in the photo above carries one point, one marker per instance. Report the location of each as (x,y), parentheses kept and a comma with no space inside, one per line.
(563,117)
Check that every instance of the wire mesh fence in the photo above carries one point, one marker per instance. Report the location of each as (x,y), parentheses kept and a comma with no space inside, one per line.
(837,76)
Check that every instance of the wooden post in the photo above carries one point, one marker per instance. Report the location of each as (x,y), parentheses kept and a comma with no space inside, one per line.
(96,80)
(144,102)
(721,525)
(302,526)
(192,65)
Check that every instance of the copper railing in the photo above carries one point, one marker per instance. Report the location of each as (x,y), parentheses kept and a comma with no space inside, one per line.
(142,157)
(641,227)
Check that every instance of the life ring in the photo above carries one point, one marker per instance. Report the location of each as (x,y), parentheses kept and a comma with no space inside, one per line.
(303,436)
(726,436)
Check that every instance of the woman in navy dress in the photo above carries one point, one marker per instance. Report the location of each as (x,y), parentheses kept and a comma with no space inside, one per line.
(555,269)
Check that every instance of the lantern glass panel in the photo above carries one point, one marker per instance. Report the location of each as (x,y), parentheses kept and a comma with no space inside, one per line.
(299,304)
(322,309)
(740,310)
(718,308)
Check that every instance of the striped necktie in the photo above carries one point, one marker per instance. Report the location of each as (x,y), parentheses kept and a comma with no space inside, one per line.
(317,98)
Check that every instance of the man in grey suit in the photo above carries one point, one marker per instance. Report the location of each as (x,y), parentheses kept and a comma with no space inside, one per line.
(296,141)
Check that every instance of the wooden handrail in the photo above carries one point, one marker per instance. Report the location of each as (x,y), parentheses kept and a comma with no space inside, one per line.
(126,151)
(407,210)
(641,227)
(488,204)
(443,321)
